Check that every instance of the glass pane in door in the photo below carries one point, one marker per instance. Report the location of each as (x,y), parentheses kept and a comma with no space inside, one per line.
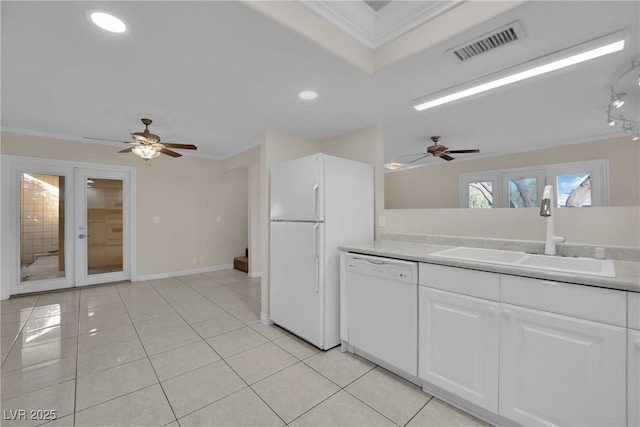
(41,227)
(104,225)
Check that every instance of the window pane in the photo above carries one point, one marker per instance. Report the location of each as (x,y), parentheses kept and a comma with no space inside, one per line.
(523,193)
(104,225)
(481,194)
(574,191)
(41,227)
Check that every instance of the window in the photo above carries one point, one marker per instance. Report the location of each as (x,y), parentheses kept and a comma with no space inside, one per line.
(481,194)
(578,184)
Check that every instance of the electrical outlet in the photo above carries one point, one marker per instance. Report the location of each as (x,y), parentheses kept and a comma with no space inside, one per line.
(156,220)
(381,221)
(195,260)
(218,218)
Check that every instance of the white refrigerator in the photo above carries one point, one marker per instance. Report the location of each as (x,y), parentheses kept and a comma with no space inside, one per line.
(318,203)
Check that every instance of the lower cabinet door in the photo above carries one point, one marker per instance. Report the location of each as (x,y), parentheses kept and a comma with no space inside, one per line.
(559,370)
(458,345)
(633,383)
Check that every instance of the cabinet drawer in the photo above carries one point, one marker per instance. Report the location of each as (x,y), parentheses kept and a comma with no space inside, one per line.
(634,310)
(586,302)
(475,283)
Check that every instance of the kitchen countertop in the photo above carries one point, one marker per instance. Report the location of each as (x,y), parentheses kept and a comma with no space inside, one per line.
(627,272)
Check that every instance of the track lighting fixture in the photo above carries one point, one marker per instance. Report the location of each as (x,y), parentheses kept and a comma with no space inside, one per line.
(616,100)
(629,127)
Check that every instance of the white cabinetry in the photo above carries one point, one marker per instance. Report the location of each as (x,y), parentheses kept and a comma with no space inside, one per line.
(556,367)
(633,396)
(458,345)
(560,370)
(633,361)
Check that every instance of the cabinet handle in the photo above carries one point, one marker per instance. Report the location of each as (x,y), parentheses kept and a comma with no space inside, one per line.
(506,314)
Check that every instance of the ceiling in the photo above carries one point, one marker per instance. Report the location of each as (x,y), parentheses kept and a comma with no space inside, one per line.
(216,74)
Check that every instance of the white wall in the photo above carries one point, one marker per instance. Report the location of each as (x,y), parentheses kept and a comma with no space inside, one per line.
(187,194)
(615,226)
(249,161)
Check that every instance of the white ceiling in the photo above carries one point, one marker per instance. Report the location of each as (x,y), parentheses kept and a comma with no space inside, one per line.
(216,74)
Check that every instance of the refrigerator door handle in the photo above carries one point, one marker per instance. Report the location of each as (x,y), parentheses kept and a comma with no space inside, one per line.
(315,202)
(316,255)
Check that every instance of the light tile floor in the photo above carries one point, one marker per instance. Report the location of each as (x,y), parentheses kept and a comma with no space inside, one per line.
(188,351)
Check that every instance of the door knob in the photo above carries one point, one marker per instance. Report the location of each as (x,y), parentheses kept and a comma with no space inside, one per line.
(82,236)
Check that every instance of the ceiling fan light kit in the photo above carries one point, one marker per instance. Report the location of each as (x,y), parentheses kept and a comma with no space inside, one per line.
(148,146)
(146,152)
(562,59)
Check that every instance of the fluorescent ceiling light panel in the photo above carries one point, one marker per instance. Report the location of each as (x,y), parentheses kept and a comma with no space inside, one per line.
(546,65)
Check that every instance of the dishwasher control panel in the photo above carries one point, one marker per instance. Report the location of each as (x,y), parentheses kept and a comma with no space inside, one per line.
(392,269)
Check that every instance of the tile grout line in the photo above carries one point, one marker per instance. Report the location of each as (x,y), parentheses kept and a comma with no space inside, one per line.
(211,301)
(419,410)
(15,339)
(175,418)
(205,341)
(75,384)
(302,361)
(233,370)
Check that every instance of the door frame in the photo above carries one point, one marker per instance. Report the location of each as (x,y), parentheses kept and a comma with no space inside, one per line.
(82,277)
(12,167)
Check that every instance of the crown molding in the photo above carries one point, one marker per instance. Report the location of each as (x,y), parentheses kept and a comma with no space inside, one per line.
(375,29)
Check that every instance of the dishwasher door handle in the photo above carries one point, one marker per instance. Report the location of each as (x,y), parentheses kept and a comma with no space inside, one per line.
(370,261)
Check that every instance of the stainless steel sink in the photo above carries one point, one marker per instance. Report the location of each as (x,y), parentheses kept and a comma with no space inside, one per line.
(590,266)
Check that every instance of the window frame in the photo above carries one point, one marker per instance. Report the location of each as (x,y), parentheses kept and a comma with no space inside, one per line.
(598,168)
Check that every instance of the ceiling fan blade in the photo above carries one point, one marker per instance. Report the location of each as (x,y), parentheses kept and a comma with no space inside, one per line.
(103,139)
(411,155)
(419,158)
(126,150)
(464,151)
(170,153)
(446,157)
(180,146)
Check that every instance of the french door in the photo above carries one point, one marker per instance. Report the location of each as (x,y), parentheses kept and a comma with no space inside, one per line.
(65,224)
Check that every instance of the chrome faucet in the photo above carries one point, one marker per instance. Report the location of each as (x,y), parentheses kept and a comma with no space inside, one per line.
(546,210)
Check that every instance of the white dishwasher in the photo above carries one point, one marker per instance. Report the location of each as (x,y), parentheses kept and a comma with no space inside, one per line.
(379,310)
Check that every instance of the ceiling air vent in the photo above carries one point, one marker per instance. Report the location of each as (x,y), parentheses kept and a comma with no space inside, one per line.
(500,37)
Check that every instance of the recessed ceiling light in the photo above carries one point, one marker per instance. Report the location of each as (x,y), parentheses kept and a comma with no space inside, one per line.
(108,22)
(308,95)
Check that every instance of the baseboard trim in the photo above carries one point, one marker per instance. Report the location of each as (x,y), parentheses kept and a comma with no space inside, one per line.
(168,274)
(265,319)
(255,274)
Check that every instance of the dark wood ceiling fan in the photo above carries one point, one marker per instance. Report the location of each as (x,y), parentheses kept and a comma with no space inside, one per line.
(147,145)
(437,150)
